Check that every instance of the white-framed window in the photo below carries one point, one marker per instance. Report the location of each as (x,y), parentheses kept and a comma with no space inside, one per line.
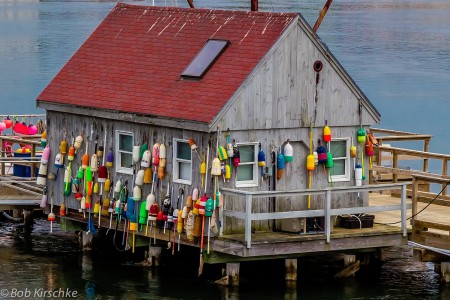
(182,162)
(124,152)
(340,150)
(247,171)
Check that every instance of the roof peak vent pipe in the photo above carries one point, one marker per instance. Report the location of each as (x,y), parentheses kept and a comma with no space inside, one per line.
(254,6)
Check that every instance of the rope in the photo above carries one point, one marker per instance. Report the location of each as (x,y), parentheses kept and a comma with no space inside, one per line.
(426,206)
(7,216)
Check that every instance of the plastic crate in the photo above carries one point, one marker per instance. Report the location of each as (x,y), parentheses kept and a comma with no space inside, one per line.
(357,221)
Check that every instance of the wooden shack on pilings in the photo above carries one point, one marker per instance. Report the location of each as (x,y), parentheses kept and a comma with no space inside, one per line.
(174,76)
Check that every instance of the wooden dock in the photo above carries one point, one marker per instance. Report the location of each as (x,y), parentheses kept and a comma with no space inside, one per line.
(403,207)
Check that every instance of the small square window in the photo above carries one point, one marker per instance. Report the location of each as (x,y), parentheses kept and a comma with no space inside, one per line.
(124,152)
(182,162)
(340,150)
(247,171)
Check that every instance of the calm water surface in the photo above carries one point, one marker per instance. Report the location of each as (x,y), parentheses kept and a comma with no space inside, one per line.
(398,52)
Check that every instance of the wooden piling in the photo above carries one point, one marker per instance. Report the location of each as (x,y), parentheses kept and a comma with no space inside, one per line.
(445,272)
(154,256)
(233,273)
(28,218)
(291,270)
(86,241)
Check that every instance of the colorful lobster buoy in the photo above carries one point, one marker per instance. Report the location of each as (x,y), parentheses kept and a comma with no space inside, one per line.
(148,176)
(136,154)
(67,183)
(110,158)
(288,152)
(46,155)
(8,122)
(71,155)
(63,147)
(44,198)
(358,175)
(41,179)
(209,210)
(78,142)
(280,165)
(102,174)
(222,153)
(43,139)
(139,181)
(143,214)
(322,154)
(236,157)
(155,154)
(162,155)
(261,161)
(216,169)
(146,159)
(326,133)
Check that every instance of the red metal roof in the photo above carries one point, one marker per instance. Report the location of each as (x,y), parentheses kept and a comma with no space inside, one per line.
(132,62)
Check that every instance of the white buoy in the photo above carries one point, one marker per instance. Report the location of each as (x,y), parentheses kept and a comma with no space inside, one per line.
(146,159)
(140,178)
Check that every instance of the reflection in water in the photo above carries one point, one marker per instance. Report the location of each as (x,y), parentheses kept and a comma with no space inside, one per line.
(39,260)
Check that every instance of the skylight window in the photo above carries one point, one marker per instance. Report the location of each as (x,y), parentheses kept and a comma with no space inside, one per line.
(205,58)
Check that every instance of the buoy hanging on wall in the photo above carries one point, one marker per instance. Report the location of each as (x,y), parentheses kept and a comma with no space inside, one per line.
(358,175)
(78,142)
(288,152)
(326,133)
(42,175)
(43,139)
(136,154)
(280,165)
(140,178)
(146,159)
(110,158)
(45,155)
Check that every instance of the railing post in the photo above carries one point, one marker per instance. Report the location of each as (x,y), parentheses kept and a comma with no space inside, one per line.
(444,173)
(327,214)
(395,166)
(221,218)
(2,149)
(248,220)
(426,142)
(403,209)
(33,165)
(414,190)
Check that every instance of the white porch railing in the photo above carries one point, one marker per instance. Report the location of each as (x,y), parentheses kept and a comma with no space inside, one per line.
(248,216)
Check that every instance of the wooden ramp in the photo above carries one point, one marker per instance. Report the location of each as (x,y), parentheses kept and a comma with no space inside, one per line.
(23,201)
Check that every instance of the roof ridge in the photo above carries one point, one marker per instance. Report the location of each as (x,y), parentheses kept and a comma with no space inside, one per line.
(174,8)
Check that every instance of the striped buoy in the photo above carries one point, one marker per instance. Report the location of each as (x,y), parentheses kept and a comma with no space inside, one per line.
(155,154)
(288,152)
(41,179)
(43,138)
(71,155)
(222,153)
(358,175)
(110,158)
